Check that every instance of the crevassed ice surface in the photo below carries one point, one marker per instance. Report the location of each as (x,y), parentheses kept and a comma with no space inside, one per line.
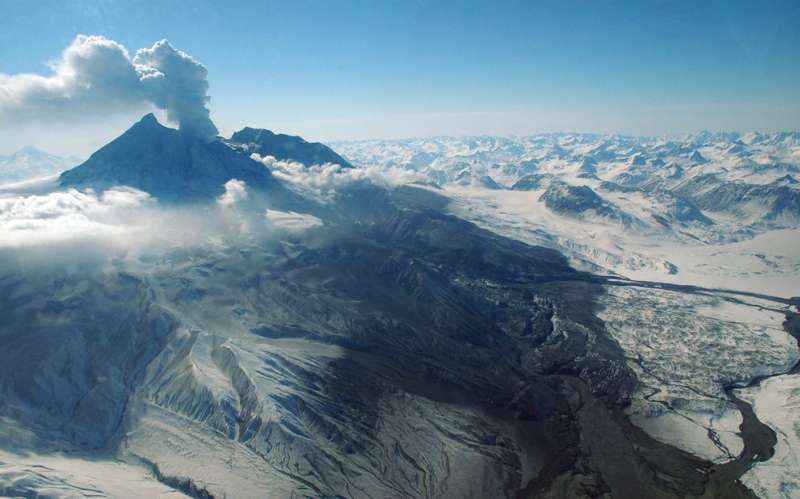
(686,349)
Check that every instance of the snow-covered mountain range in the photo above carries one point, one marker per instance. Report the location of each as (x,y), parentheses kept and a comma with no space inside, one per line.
(30,162)
(659,183)
(554,316)
(720,209)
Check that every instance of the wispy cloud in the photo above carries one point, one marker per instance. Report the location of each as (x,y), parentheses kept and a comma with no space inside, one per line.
(128,221)
(322,180)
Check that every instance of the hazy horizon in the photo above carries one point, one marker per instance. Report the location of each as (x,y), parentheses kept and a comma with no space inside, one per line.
(99,141)
(358,71)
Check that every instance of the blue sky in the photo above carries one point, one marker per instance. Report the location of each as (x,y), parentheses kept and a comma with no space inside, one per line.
(344,70)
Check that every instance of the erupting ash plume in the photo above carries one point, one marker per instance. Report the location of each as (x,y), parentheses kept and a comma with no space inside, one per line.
(96,75)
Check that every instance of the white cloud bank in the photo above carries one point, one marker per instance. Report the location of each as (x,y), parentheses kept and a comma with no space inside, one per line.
(96,75)
(235,193)
(292,221)
(323,180)
(126,219)
(70,216)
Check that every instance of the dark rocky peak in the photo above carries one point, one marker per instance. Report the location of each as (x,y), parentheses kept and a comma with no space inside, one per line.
(168,164)
(588,165)
(637,160)
(564,198)
(532,182)
(698,158)
(285,147)
(786,180)
(675,171)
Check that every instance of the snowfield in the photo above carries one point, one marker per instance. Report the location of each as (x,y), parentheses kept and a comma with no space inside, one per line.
(768,263)
(65,476)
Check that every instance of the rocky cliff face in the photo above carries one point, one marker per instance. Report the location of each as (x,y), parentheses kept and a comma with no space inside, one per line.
(285,147)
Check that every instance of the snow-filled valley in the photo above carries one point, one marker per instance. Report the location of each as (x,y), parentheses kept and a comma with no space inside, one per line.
(718,210)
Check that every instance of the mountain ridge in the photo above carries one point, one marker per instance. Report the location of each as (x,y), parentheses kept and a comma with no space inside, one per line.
(285,147)
(177,167)
(166,163)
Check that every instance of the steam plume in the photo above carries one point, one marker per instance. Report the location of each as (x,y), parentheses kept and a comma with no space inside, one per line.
(96,76)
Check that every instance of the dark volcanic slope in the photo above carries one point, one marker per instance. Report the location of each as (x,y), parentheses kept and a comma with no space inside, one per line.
(423,306)
(285,147)
(510,328)
(168,164)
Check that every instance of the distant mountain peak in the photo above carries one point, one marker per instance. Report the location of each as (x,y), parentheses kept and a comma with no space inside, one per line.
(31,162)
(786,180)
(31,151)
(637,160)
(698,158)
